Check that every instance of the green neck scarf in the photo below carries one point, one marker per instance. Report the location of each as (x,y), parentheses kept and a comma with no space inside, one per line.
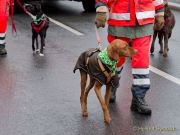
(104,58)
(39,19)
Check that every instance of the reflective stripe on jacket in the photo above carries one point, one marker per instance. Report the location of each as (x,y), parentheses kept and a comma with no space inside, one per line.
(125,12)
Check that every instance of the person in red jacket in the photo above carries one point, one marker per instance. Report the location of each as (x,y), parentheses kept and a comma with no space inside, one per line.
(4,13)
(133,21)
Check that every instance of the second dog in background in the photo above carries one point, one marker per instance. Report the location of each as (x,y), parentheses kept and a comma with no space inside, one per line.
(39,25)
(165,32)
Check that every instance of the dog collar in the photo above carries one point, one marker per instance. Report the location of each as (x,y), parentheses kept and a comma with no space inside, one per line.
(104,58)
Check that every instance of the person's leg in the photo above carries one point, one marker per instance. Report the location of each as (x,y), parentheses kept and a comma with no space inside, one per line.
(4,13)
(140,72)
(119,67)
(2,44)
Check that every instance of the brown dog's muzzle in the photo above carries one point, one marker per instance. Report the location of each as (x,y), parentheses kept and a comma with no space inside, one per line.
(129,51)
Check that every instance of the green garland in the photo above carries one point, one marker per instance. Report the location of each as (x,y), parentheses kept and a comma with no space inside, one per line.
(104,58)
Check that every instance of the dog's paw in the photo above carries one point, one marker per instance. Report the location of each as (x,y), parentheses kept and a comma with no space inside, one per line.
(37,50)
(152,50)
(160,52)
(165,55)
(108,120)
(85,114)
(41,54)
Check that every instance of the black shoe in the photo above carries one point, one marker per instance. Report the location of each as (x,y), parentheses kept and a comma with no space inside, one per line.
(3,51)
(140,106)
(113,95)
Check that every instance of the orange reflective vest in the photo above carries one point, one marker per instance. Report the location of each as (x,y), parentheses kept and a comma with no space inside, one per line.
(126,12)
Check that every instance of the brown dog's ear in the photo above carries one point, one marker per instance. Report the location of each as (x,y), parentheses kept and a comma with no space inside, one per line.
(118,43)
(115,47)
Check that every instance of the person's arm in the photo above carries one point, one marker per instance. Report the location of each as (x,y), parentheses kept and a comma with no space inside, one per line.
(101,10)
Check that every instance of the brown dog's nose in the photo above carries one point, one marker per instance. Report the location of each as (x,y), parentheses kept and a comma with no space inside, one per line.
(133,52)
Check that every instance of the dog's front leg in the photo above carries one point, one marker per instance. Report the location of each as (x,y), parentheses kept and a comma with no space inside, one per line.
(153,42)
(97,88)
(165,45)
(108,94)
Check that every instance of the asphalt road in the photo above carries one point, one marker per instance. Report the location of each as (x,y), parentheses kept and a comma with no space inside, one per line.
(40,95)
(175,1)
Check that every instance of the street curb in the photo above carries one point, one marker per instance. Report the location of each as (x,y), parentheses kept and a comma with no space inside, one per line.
(174,5)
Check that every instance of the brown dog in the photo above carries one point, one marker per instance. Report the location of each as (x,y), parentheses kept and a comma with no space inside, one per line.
(165,32)
(99,74)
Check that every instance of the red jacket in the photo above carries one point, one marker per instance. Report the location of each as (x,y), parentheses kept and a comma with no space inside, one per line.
(4,13)
(125,12)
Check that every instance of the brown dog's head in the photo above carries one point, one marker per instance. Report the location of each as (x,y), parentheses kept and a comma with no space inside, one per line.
(119,48)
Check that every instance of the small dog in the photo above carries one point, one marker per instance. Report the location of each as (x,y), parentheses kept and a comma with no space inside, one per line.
(89,64)
(39,25)
(165,32)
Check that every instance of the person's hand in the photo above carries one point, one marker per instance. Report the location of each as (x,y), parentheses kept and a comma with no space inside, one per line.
(159,22)
(100,19)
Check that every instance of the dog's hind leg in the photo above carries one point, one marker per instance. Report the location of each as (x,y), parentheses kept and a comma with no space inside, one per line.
(90,86)
(169,36)
(33,40)
(45,37)
(160,36)
(82,97)
(165,45)
(153,42)
(87,90)
(108,94)
(97,88)
(37,44)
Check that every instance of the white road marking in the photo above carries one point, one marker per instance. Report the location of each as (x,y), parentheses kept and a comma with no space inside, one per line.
(174,5)
(66,27)
(165,75)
